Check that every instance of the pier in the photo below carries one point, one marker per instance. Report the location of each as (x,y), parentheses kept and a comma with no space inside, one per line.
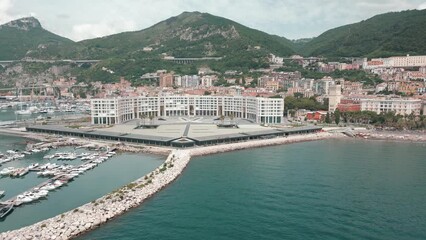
(64,176)
(182,141)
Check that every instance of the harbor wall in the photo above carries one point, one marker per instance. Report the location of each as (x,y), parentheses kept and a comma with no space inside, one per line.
(91,215)
(262,143)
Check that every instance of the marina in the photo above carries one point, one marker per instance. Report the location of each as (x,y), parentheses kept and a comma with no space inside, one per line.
(120,169)
(21,113)
(60,175)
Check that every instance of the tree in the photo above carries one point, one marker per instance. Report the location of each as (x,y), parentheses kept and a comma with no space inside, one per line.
(327,118)
(143,116)
(151,118)
(337,116)
(222,118)
(231,117)
(298,95)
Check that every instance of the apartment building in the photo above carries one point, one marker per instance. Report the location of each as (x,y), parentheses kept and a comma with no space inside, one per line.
(119,110)
(397,105)
(397,61)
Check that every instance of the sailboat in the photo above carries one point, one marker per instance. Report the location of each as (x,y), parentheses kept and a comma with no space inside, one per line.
(23,112)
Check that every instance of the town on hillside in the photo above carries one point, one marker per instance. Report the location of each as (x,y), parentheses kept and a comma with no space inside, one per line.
(313,88)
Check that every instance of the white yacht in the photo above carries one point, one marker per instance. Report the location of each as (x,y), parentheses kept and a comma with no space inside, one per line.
(6,171)
(23,112)
(33,166)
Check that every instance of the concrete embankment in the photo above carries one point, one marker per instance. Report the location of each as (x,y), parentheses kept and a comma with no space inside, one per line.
(92,215)
(261,143)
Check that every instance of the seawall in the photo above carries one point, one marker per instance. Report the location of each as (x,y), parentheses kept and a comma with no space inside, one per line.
(261,143)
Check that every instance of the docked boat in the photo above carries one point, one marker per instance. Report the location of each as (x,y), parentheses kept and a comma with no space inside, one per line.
(48,187)
(6,171)
(70,156)
(5,209)
(19,172)
(82,155)
(41,193)
(23,198)
(18,156)
(1,194)
(33,166)
(49,157)
(23,112)
(10,152)
(58,183)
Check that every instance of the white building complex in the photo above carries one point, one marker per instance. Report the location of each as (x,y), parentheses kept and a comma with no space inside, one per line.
(119,110)
(398,105)
(397,61)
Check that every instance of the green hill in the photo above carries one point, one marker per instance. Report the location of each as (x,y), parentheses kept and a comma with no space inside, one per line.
(396,33)
(191,34)
(25,37)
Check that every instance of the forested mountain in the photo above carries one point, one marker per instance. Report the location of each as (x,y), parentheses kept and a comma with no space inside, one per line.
(396,33)
(26,37)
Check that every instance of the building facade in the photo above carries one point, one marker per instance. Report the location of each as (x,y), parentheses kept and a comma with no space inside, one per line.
(334,97)
(398,106)
(397,61)
(119,110)
(166,80)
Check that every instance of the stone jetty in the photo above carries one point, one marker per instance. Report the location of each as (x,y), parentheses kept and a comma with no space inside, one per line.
(91,215)
(262,143)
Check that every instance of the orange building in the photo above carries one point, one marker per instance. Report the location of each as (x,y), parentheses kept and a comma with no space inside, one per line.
(166,80)
(348,105)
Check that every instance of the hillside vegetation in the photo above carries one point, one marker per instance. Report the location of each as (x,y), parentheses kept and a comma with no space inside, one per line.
(23,37)
(396,33)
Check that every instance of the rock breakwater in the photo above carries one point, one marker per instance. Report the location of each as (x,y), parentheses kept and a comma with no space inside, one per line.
(95,213)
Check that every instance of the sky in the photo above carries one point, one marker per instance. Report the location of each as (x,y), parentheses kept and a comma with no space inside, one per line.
(293,19)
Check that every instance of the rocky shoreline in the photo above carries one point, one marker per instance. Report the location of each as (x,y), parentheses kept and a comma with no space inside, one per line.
(91,215)
(406,136)
(262,143)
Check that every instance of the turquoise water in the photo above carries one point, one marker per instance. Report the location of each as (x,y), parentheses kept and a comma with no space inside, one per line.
(316,190)
(108,176)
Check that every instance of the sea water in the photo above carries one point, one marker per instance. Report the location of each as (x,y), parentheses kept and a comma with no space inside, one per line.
(332,189)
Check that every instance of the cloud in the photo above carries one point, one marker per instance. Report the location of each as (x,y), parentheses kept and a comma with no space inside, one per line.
(63,16)
(422,6)
(5,7)
(289,18)
(93,30)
